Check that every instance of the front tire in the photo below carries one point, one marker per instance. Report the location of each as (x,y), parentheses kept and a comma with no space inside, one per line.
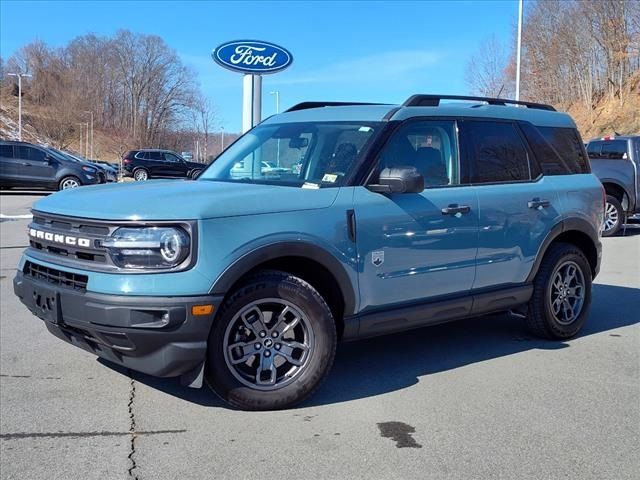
(613,216)
(272,344)
(561,296)
(69,182)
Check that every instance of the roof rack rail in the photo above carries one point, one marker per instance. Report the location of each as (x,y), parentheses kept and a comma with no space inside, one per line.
(434,101)
(307,105)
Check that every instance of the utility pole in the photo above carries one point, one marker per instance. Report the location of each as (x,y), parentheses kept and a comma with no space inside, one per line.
(91,157)
(80,136)
(518,50)
(19,75)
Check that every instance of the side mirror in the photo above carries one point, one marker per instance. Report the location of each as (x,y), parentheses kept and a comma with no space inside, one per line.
(399,180)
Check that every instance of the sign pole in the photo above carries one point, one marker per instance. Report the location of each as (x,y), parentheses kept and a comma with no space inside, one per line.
(251,101)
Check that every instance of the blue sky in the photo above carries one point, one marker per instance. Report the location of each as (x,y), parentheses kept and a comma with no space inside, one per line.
(357,51)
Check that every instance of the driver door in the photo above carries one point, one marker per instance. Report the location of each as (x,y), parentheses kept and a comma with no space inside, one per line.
(417,247)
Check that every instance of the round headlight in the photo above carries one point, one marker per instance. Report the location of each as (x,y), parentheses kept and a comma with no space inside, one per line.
(173,244)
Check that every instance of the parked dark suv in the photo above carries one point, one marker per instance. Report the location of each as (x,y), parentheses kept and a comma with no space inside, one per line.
(615,160)
(148,163)
(26,165)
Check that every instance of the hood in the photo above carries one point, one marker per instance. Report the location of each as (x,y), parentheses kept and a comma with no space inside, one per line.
(181,200)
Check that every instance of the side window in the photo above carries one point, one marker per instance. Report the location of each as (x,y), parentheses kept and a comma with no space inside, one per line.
(494,152)
(142,155)
(430,146)
(594,149)
(615,150)
(170,157)
(568,145)
(155,156)
(37,155)
(6,151)
(28,153)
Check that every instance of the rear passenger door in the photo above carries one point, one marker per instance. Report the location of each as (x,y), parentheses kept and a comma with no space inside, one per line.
(517,205)
(156,163)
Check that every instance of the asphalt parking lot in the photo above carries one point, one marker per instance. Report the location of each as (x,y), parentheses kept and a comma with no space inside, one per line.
(473,399)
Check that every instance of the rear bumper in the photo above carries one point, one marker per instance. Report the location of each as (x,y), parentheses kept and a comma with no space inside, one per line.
(154,335)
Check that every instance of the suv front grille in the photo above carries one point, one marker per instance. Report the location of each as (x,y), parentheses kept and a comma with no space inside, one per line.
(95,232)
(56,277)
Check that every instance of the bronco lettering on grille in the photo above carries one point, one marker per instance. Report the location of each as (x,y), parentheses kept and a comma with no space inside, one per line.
(62,239)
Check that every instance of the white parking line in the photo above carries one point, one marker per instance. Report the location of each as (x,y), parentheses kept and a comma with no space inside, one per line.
(15,217)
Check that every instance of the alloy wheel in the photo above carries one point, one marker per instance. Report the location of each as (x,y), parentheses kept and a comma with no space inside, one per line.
(610,217)
(70,183)
(268,344)
(567,292)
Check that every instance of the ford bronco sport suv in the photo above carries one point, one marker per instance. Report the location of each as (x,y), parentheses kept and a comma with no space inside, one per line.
(615,160)
(399,217)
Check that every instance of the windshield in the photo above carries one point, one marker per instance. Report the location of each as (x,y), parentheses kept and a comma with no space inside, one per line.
(318,154)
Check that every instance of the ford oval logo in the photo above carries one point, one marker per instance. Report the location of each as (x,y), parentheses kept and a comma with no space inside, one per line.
(252,56)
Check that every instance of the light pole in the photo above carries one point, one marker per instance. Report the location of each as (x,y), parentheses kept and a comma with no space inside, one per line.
(91,157)
(518,50)
(277,94)
(19,75)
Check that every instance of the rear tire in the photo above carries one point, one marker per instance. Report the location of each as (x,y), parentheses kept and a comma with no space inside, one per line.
(561,296)
(272,343)
(613,216)
(140,175)
(69,182)
(195,174)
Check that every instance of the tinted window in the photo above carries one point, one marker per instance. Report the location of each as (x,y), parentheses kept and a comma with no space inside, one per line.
(494,153)
(170,157)
(142,155)
(429,146)
(550,161)
(568,145)
(155,156)
(6,151)
(29,153)
(593,149)
(615,150)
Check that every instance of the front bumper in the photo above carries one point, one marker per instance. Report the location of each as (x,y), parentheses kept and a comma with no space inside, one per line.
(154,335)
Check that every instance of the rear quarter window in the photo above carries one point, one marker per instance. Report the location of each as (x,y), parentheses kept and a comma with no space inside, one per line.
(559,151)
(568,145)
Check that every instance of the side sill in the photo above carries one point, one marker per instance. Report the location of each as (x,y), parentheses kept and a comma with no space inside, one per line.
(432,313)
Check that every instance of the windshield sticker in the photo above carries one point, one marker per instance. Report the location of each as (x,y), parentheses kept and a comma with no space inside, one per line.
(330,177)
(313,186)
(365,129)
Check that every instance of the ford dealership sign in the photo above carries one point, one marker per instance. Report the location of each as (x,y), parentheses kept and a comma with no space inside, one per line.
(252,56)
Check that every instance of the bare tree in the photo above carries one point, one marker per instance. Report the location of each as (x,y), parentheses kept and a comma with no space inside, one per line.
(486,70)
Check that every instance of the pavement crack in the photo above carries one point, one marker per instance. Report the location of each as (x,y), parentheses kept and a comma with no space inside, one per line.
(26,435)
(132,429)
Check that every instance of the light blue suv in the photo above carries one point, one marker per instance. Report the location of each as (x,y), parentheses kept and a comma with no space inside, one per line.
(375,219)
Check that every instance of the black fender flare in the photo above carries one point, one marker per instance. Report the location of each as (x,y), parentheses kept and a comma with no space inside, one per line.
(629,195)
(570,224)
(273,251)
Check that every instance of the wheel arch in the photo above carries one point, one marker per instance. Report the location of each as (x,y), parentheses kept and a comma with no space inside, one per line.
(618,190)
(575,231)
(310,262)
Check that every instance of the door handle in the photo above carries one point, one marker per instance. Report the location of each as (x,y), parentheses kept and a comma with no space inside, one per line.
(538,203)
(454,209)
(27,164)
